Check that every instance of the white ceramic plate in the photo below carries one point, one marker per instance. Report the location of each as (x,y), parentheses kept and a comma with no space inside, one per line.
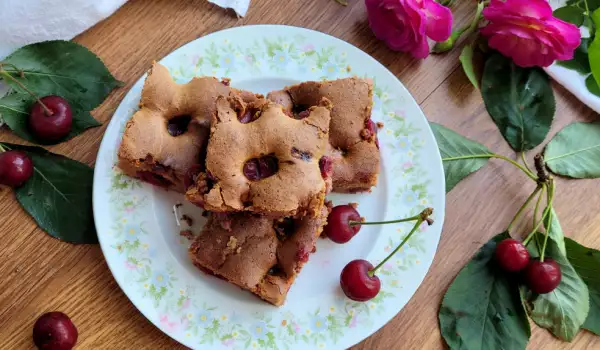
(140,237)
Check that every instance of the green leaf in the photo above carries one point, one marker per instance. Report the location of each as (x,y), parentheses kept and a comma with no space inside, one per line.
(594,51)
(592,4)
(59,195)
(555,233)
(481,309)
(466,59)
(580,61)
(571,14)
(460,155)
(575,151)
(520,101)
(592,85)
(60,68)
(563,310)
(586,262)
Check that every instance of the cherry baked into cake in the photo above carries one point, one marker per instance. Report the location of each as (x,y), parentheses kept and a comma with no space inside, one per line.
(167,137)
(353,146)
(256,253)
(259,159)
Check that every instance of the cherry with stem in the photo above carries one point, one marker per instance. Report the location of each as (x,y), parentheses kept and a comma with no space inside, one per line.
(358,280)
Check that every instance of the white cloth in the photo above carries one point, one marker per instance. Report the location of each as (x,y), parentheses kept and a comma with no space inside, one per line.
(28,21)
(570,79)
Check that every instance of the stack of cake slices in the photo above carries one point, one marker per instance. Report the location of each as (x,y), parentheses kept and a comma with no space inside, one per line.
(261,166)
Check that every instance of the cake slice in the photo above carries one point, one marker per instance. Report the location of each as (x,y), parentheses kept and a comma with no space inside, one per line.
(353,146)
(166,138)
(256,253)
(259,159)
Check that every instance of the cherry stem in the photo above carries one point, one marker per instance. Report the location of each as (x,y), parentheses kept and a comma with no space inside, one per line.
(10,77)
(523,207)
(525,162)
(536,211)
(498,156)
(356,223)
(550,200)
(2,149)
(423,216)
(544,215)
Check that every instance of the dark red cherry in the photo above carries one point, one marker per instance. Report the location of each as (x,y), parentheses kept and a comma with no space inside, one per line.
(356,282)
(543,276)
(179,125)
(250,115)
(51,126)
(260,168)
(326,166)
(338,227)
(15,168)
(511,255)
(54,331)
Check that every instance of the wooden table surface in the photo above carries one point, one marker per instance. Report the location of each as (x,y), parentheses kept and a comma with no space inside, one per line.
(42,274)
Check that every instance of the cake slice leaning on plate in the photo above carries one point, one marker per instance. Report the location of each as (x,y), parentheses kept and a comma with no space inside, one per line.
(256,253)
(352,145)
(167,137)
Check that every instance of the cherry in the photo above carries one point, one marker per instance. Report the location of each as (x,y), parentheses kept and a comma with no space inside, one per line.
(260,168)
(326,166)
(51,118)
(54,331)
(178,125)
(15,168)
(543,276)
(250,115)
(356,281)
(338,227)
(511,255)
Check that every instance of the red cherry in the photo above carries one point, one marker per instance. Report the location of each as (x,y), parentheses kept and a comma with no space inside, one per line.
(51,127)
(338,227)
(356,282)
(15,168)
(259,168)
(543,276)
(326,166)
(54,331)
(511,255)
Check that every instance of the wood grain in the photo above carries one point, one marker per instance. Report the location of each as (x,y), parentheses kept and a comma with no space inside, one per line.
(42,274)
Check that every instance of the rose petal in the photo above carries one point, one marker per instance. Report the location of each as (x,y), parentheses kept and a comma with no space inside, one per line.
(438,20)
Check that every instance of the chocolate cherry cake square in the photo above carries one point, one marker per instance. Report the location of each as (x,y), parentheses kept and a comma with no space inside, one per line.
(353,147)
(257,253)
(167,137)
(263,160)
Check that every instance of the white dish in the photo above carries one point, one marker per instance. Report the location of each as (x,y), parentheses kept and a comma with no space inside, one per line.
(140,237)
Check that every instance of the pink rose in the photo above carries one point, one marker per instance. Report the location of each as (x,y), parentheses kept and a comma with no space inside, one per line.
(526,31)
(404,25)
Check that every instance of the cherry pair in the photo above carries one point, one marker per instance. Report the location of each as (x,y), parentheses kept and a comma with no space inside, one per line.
(358,279)
(540,276)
